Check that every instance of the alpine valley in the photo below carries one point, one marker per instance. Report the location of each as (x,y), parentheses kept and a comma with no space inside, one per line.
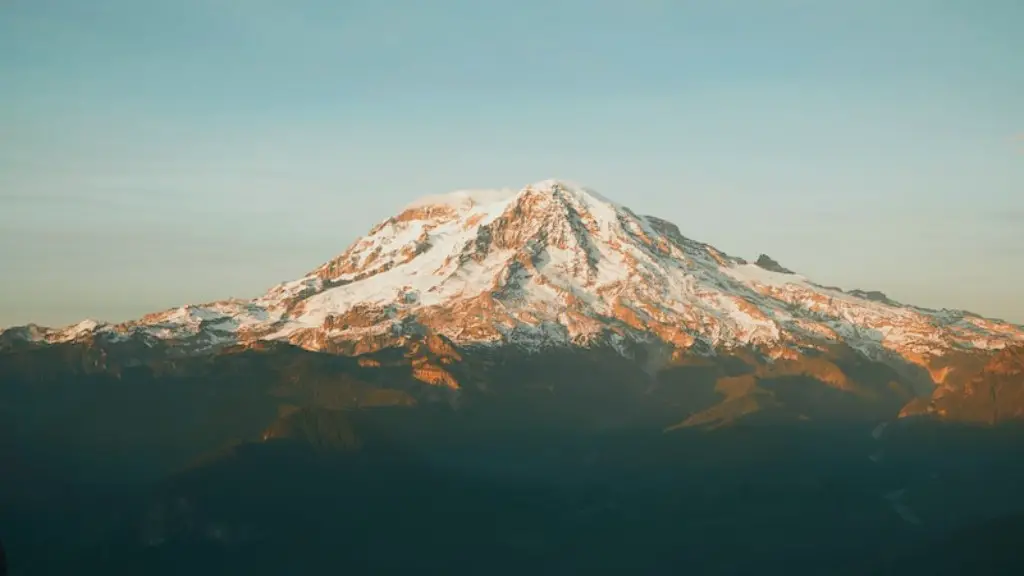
(495,381)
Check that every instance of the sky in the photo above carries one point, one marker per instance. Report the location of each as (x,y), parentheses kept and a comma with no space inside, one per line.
(159,153)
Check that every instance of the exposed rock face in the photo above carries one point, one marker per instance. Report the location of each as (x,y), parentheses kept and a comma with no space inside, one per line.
(874,296)
(556,266)
(766,262)
(976,387)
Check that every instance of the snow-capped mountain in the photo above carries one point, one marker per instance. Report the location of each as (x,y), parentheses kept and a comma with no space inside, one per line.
(538,337)
(554,264)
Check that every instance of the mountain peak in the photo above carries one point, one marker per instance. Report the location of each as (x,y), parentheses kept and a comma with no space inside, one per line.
(555,185)
(475,198)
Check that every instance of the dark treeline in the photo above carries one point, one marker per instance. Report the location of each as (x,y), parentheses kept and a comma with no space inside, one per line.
(365,492)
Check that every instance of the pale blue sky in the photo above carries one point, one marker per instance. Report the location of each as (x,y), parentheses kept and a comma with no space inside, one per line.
(154,153)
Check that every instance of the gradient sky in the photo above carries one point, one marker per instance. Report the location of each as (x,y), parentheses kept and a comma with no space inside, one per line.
(155,153)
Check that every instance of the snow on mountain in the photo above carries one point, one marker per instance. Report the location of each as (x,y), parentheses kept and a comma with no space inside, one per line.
(554,264)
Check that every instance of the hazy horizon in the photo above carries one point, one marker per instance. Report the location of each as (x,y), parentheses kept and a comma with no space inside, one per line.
(158,154)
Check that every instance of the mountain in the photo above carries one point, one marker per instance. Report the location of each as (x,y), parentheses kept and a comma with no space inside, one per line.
(556,266)
(513,375)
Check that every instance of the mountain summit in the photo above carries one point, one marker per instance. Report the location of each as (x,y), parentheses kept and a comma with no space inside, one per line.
(556,265)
